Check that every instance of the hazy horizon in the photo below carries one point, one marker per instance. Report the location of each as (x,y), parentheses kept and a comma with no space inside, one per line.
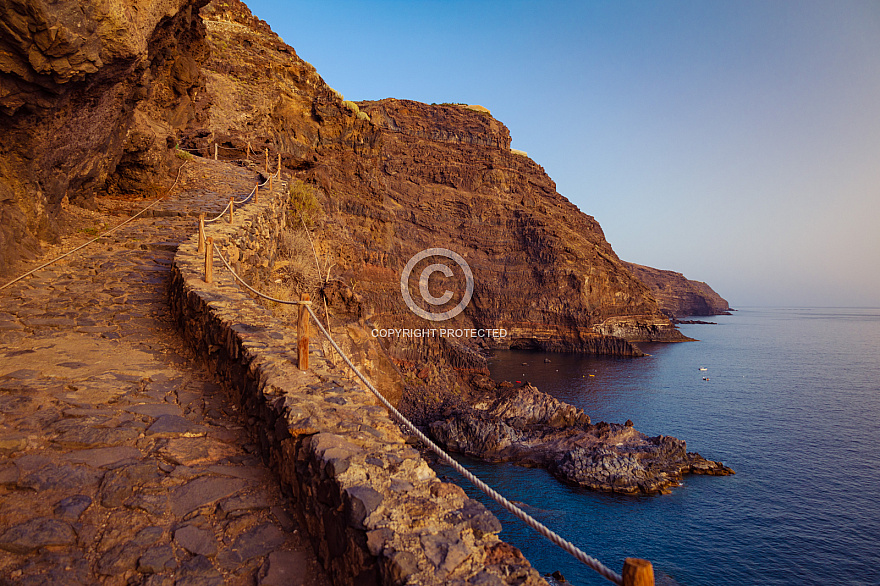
(736,143)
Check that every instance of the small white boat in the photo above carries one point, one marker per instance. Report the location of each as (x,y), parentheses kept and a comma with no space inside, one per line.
(703,368)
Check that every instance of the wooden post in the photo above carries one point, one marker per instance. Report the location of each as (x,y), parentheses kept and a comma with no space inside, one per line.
(231,206)
(215,151)
(279,166)
(270,183)
(637,572)
(202,232)
(267,159)
(209,260)
(302,327)
(257,193)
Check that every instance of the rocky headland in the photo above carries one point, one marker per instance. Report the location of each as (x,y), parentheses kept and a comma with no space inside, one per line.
(679,296)
(523,425)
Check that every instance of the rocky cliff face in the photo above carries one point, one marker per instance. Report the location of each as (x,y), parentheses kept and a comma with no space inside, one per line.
(677,295)
(444,176)
(90,96)
(95,97)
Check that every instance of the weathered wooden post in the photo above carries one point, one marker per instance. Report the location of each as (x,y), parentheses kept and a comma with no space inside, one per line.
(270,183)
(257,193)
(209,260)
(637,572)
(231,206)
(202,232)
(302,328)
(279,166)
(215,151)
(267,159)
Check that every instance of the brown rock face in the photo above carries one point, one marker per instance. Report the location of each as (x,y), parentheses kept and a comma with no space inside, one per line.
(677,295)
(94,97)
(444,176)
(86,89)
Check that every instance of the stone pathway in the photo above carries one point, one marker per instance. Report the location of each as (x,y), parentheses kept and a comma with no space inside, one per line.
(121,459)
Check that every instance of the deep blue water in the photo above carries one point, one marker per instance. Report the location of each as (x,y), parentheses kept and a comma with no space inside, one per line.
(792,404)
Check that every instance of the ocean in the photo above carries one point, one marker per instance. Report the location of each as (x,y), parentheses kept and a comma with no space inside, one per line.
(792,404)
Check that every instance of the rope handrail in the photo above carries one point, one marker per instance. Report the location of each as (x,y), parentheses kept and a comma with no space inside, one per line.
(542,529)
(249,196)
(220,215)
(219,146)
(96,238)
(140,213)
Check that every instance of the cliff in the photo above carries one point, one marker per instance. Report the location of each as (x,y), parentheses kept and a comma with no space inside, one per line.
(444,176)
(91,94)
(101,110)
(679,296)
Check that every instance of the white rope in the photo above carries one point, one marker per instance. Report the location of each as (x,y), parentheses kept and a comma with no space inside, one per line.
(95,239)
(558,540)
(263,295)
(566,545)
(223,213)
(250,195)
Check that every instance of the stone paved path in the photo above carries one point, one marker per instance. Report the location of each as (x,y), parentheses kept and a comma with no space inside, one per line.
(121,460)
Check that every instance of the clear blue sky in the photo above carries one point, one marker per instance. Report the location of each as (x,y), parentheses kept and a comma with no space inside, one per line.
(737,142)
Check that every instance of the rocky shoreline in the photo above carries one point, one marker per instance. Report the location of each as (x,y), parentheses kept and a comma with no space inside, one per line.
(523,425)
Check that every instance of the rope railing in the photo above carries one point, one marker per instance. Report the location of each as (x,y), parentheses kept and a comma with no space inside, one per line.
(220,215)
(96,238)
(636,571)
(248,150)
(231,202)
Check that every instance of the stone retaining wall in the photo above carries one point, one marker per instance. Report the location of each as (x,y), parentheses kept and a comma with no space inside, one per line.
(376,512)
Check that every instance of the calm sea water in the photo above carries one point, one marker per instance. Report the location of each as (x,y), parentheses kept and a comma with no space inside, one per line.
(792,404)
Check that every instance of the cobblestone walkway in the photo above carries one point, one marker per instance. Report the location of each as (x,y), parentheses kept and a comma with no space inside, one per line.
(121,460)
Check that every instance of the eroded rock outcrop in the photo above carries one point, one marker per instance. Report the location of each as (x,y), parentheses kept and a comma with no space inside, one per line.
(528,427)
(679,296)
(90,95)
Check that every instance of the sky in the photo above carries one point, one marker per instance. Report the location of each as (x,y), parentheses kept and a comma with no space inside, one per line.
(737,142)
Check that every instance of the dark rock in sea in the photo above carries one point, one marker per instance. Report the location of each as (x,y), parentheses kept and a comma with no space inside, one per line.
(531,428)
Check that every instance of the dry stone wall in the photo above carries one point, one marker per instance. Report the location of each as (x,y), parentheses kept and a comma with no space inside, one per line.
(376,512)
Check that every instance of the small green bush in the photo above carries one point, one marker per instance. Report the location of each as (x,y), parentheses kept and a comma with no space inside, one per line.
(304,203)
(351,106)
(363,116)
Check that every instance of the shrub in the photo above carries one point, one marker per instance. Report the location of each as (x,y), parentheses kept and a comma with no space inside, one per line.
(363,116)
(351,106)
(304,203)
(296,266)
(519,152)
